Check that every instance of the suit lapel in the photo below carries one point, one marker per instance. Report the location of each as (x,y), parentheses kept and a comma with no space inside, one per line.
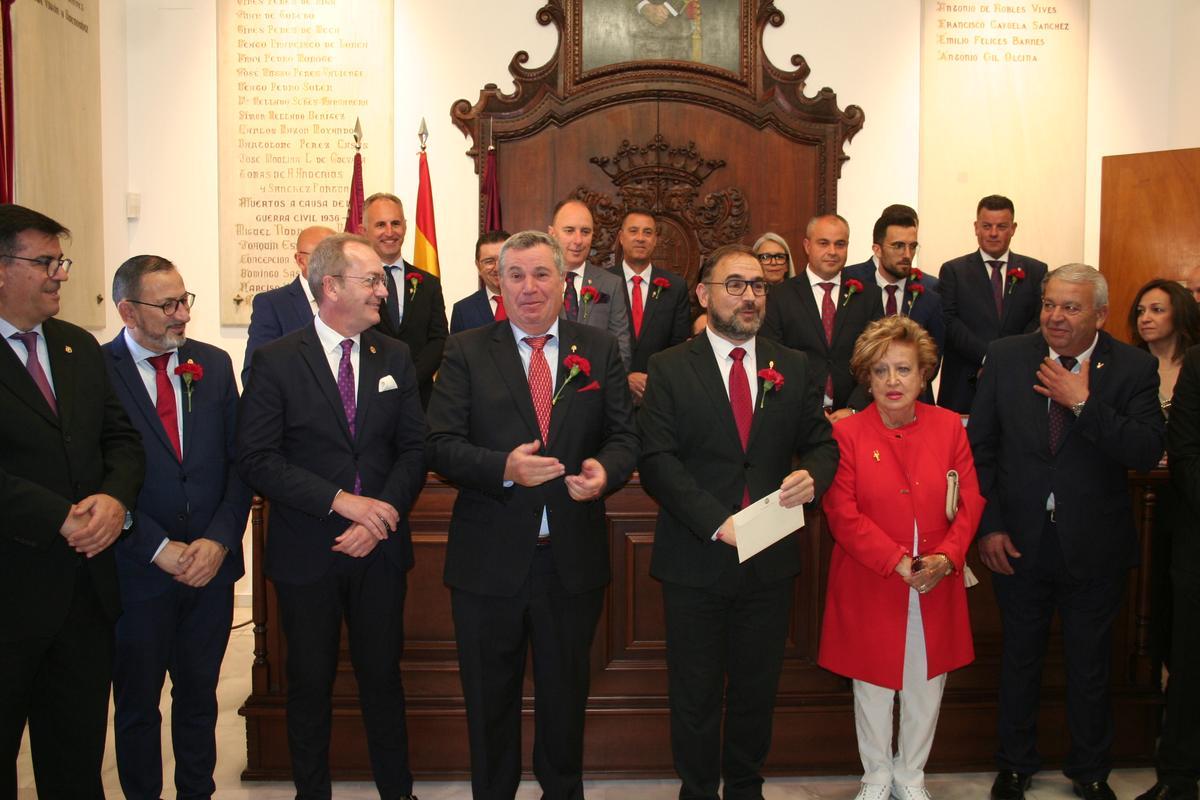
(503,348)
(126,370)
(314,357)
(704,362)
(981,285)
(62,370)
(190,421)
(764,356)
(370,370)
(1038,408)
(15,376)
(808,303)
(300,307)
(560,411)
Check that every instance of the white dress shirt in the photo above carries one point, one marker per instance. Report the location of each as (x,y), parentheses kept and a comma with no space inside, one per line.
(721,349)
(550,350)
(331,345)
(645,276)
(1002,258)
(141,357)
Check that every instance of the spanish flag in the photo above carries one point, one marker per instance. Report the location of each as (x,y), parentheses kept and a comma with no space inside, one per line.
(425,253)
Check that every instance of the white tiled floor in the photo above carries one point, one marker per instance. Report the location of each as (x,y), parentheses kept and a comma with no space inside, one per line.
(231,759)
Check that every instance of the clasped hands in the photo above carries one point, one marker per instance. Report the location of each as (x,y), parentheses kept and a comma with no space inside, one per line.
(934,567)
(192,564)
(93,523)
(372,521)
(526,468)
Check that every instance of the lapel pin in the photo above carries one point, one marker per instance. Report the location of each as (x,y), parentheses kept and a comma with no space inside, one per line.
(372,349)
(574,348)
(875,454)
(1099,365)
(68,349)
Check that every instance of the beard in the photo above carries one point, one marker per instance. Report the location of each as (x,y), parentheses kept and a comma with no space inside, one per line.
(733,326)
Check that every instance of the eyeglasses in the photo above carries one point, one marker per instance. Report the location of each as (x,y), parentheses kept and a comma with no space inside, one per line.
(772,258)
(900,248)
(169,307)
(51,264)
(737,286)
(369,281)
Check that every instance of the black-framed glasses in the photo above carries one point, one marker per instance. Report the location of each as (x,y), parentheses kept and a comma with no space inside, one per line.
(169,307)
(737,286)
(51,264)
(772,258)
(369,281)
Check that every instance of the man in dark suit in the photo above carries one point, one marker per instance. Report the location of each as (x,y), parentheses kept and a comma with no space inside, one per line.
(592,295)
(531,420)
(289,308)
(70,469)
(715,437)
(415,312)
(987,294)
(902,289)
(486,305)
(1178,761)
(821,313)
(1061,416)
(178,564)
(331,432)
(659,309)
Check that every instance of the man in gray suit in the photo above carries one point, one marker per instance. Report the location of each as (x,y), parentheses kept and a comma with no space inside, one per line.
(594,296)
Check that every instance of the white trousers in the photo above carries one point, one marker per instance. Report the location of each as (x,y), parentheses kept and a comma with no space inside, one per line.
(920,701)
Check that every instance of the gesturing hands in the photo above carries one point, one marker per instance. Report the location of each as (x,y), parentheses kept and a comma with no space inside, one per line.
(589,483)
(525,468)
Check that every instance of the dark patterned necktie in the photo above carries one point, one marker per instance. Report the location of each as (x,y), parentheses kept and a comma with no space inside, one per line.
(891,309)
(998,285)
(345,383)
(34,366)
(1060,417)
(571,298)
(828,310)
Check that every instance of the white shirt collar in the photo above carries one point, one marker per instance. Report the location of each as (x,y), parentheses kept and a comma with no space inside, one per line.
(138,352)
(330,339)
(722,347)
(816,280)
(1086,354)
(1002,258)
(7,329)
(520,334)
(630,272)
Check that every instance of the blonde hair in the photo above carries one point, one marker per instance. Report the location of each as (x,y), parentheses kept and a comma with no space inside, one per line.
(873,344)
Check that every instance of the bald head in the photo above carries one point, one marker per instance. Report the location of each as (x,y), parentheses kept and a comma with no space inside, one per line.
(306,242)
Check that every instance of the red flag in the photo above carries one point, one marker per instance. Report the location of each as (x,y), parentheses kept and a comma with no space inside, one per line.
(7,135)
(354,219)
(493,217)
(425,253)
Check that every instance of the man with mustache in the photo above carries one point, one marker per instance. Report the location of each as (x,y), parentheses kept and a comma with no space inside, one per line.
(592,296)
(728,418)
(179,562)
(821,313)
(987,294)
(486,305)
(890,270)
(331,432)
(660,309)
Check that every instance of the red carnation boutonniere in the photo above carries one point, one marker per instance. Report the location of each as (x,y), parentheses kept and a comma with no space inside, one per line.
(189,373)
(772,381)
(587,296)
(1015,276)
(659,284)
(575,365)
(414,279)
(852,287)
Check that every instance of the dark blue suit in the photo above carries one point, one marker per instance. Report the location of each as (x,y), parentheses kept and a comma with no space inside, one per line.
(971,320)
(924,309)
(473,311)
(274,314)
(1074,561)
(168,626)
(296,449)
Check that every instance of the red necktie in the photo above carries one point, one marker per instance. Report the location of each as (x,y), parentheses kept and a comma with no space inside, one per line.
(34,366)
(637,305)
(739,398)
(998,285)
(500,312)
(891,301)
(828,309)
(539,384)
(164,403)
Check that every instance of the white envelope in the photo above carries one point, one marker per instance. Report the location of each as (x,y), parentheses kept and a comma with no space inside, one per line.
(763,523)
(387,383)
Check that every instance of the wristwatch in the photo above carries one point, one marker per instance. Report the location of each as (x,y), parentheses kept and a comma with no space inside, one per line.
(1077,408)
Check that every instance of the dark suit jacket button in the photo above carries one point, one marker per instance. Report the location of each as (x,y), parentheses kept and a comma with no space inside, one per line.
(181,517)
(67,438)
(746,465)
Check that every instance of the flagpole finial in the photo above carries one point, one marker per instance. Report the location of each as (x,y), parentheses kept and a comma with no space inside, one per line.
(357,133)
(423,134)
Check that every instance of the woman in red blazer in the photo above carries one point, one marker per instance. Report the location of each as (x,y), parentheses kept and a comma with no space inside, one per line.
(896,606)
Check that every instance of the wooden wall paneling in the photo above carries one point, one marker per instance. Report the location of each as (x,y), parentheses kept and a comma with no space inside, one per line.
(1149,204)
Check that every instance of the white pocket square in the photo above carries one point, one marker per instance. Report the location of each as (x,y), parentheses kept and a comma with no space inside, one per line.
(387,383)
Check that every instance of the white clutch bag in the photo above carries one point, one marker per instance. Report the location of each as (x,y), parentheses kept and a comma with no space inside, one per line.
(969,578)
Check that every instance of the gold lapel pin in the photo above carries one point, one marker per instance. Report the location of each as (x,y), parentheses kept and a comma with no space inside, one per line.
(875,454)
(68,349)
(1099,365)
(574,348)
(372,349)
